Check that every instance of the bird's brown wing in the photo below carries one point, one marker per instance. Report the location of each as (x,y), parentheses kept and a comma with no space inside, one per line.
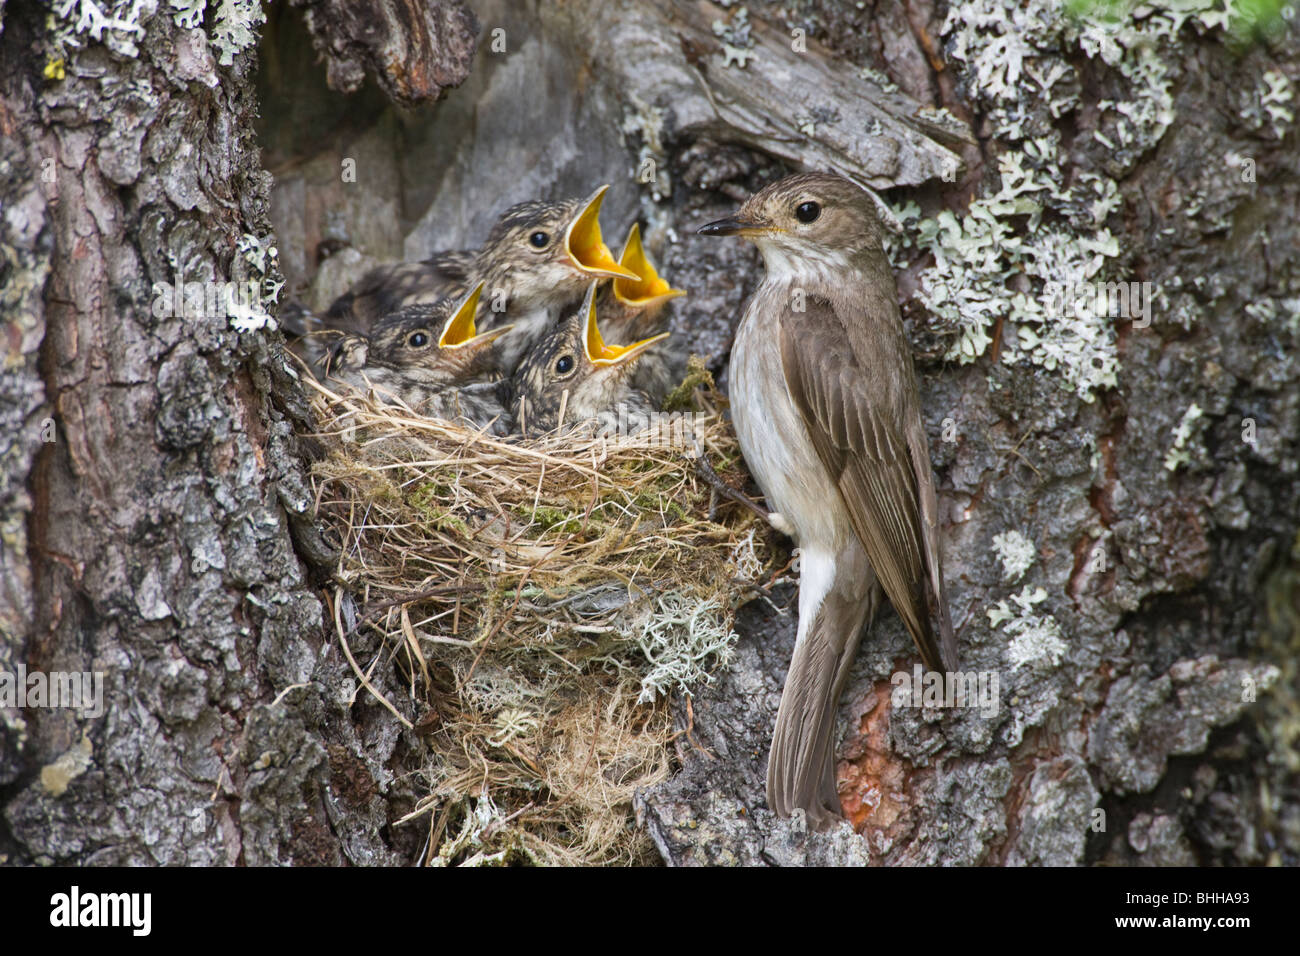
(854,423)
(452,267)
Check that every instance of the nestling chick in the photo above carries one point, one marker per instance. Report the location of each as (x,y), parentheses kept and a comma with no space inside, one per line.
(431,358)
(633,309)
(536,261)
(573,375)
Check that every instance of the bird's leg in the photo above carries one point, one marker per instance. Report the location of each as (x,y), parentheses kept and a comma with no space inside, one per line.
(705,471)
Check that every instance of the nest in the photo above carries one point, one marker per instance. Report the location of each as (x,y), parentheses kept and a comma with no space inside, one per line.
(538,601)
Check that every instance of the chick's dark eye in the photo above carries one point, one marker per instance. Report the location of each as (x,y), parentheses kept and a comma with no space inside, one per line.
(564,364)
(808,211)
(538,240)
(417,340)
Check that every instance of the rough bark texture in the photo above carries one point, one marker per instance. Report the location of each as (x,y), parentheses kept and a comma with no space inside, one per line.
(154,539)
(413,49)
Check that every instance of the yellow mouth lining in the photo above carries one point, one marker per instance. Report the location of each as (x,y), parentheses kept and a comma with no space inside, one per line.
(586,248)
(602,354)
(460,330)
(648,287)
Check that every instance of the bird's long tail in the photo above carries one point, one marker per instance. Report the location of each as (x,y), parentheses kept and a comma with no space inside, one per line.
(801,765)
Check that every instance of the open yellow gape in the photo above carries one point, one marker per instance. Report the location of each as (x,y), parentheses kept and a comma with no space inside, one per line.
(602,354)
(585,247)
(648,288)
(460,331)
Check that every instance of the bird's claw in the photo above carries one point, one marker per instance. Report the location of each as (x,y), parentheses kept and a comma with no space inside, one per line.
(720,487)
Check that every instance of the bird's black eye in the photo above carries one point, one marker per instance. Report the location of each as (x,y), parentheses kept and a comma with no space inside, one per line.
(564,365)
(538,240)
(417,340)
(808,211)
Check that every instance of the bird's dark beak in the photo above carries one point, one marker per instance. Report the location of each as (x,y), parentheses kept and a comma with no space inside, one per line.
(731,226)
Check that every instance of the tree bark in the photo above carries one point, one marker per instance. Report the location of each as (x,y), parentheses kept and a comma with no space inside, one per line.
(152,537)
(161,536)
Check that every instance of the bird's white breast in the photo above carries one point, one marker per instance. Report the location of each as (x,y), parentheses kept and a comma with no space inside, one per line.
(773,437)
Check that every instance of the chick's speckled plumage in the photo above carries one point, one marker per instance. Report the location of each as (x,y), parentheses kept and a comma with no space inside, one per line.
(401,360)
(559,373)
(528,267)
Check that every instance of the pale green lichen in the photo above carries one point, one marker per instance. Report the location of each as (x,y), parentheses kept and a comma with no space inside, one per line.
(873,75)
(1179,454)
(188,13)
(745,561)
(683,638)
(645,122)
(235,29)
(481,822)
(1284,312)
(1016,552)
(1034,637)
(1276,94)
(734,32)
(119,24)
(510,722)
(260,258)
(1041,225)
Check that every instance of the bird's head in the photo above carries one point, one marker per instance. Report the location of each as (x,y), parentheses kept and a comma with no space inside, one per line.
(434,343)
(339,352)
(540,253)
(806,222)
(572,369)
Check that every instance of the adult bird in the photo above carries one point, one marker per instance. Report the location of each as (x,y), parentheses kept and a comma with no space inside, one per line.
(826,406)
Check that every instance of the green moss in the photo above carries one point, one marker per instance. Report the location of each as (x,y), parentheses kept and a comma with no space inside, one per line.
(429,498)
(681,398)
(656,502)
(551,518)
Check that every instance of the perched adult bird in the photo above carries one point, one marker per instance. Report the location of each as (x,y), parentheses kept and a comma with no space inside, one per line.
(827,409)
(536,261)
(431,358)
(573,375)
